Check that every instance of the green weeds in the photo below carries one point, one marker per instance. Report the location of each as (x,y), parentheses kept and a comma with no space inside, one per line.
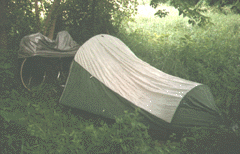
(55,131)
(208,55)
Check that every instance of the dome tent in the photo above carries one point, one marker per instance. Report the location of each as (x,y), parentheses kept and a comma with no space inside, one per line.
(106,78)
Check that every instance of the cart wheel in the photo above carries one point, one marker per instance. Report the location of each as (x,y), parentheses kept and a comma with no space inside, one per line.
(26,81)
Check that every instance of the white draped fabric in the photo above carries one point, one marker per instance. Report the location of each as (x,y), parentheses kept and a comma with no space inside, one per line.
(110,61)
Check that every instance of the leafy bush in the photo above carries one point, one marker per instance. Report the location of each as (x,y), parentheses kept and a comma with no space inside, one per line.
(204,140)
(7,72)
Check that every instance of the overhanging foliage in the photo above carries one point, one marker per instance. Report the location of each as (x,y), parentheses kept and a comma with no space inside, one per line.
(193,8)
(82,18)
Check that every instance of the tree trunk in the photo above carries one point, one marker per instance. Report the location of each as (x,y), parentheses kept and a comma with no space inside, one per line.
(50,22)
(52,27)
(37,16)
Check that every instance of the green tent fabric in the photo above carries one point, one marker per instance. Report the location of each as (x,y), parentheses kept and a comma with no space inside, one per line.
(106,78)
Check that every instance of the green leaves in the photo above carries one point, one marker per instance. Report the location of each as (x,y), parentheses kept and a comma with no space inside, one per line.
(5,65)
(188,8)
(161,13)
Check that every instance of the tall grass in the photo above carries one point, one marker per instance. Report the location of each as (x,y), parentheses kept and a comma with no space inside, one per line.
(209,55)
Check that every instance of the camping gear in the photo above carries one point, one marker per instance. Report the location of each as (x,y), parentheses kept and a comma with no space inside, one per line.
(40,45)
(106,78)
(46,51)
